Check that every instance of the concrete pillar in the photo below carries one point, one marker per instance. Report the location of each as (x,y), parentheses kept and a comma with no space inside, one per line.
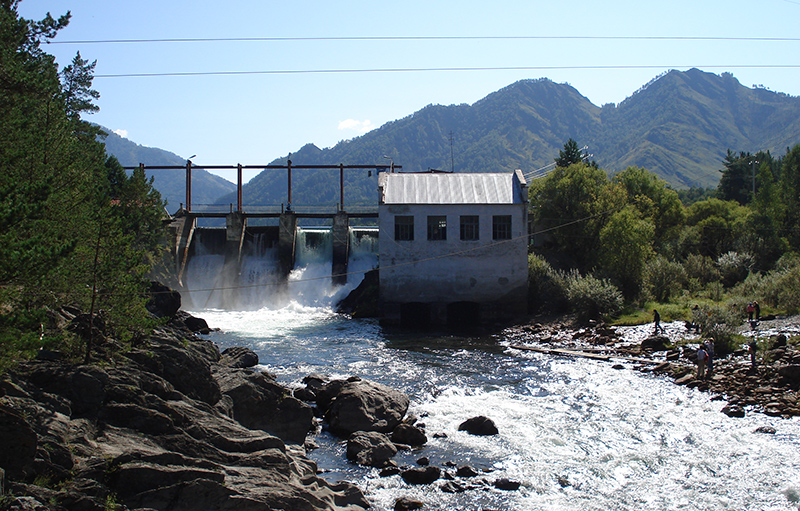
(184,228)
(341,247)
(235,224)
(287,232)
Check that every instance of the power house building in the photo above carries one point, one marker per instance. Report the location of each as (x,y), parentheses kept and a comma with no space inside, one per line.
(453,247)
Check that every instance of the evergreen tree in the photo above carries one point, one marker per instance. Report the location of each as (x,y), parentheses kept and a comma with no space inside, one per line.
(569,155)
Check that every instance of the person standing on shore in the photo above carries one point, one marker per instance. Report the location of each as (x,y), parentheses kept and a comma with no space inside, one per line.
(702,360)
(750,310)
(757,309)
(708,344)
(753,347)
(657,323)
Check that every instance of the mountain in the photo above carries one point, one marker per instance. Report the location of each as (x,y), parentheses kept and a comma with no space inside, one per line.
(206,187)
(679,126)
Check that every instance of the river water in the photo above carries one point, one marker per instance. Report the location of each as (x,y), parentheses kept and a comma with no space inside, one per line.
(576,433)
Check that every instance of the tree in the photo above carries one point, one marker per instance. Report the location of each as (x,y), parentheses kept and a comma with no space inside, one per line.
(569,204)
(569,155)
(625,246)
(74,229)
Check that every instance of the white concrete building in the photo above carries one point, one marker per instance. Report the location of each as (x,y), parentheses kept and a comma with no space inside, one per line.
(453,247)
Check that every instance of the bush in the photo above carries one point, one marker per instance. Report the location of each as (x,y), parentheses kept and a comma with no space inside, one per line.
(701,268)
(546,287)
(734,267)
(663,278)
(592,298)
(720,324)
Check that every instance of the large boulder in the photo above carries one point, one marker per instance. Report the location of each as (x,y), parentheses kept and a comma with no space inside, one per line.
(18,444)
(482,426)
(259,402)
(370,448)
(186,365)
(164,302)
(366,406)
(239,357)
(409,435)
(421,475)
(656,343)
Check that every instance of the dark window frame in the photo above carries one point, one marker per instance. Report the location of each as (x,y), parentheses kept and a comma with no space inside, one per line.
(470,227)
(437,227)
(501,227)
(404,228)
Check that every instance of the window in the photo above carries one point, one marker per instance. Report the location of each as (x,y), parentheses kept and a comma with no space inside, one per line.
(404,228)
(501,227)
(437,227)
(469,227)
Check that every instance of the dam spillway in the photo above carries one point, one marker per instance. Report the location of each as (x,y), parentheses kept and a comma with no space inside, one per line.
(241,267)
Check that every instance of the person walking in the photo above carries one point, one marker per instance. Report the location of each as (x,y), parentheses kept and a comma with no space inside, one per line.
(750,310)
(757,309)
(657,323)
(753,348)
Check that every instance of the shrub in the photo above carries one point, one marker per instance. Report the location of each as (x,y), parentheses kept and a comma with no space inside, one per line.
(734,267)
(663,278)
(546,287)
(701,268)
(592,298)
(720,323)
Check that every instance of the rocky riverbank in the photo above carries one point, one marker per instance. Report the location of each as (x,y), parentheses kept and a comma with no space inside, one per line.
(172,424)
(770,387)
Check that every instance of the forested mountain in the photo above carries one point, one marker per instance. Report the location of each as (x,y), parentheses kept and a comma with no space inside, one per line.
(206,187)
(680,126)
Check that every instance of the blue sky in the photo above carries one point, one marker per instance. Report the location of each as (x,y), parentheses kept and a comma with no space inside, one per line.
(254,118)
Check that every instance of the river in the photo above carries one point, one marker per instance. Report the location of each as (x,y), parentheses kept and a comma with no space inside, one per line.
(576,433)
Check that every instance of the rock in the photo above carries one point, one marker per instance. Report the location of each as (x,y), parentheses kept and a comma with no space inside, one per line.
(407,434)
(125,431)
(362,302)
(789,375)
(391,470)
(466,471)
(656,343)
(769,430)
(18,443)
(424,461)
(407,504)
(239,358)
(733,411)
(452,487)
(190,323)
(423,475)
(685,379)
(259,402)
(370,448)
(506,484)
(164,302)
(480,425)
(366,406)
(186,366)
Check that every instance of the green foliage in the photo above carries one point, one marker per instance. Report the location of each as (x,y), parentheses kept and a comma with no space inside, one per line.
(546,289)
(625,246)
(590,297)
(719,323)
(74,230)
(569,155)
(663,279)
(734,267)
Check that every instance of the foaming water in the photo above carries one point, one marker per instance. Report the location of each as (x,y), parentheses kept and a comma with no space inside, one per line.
(577,434)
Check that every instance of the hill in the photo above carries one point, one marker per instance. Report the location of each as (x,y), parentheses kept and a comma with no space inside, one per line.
(679,126)
(206,187)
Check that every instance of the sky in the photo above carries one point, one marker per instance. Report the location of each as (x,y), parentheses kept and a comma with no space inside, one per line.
(250,81)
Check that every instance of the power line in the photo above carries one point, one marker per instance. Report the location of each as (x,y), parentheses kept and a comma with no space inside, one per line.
(437,69)
(426,38)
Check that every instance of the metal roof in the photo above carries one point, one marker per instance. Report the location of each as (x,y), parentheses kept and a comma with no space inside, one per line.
(451,188)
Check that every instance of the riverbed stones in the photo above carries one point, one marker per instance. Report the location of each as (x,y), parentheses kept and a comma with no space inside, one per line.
(421,475)
(370,448)
(365,406)
(480,425)
(409,435)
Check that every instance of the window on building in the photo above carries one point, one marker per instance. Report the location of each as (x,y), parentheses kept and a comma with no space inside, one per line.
(469,227)
(501,227)
(437,227)
(404,228)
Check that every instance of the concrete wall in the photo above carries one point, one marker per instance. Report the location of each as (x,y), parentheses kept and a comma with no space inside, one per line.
(441,272)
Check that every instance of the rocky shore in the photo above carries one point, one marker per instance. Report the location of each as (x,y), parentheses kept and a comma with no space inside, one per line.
(770,387)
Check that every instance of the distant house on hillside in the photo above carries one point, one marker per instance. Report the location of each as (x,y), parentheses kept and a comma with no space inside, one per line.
(453,247)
